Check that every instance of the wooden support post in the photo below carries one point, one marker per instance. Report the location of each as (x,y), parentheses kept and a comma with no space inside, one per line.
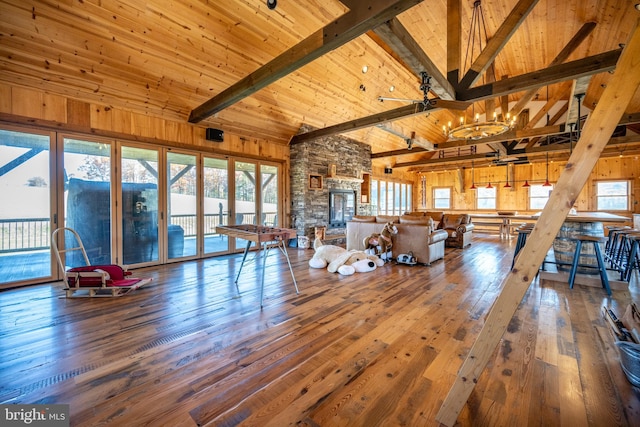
(595,135)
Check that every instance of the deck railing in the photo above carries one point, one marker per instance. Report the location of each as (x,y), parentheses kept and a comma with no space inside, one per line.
(24,234)
(29,234)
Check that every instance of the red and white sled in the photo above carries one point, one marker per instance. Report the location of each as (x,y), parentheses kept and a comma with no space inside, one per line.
(109,280)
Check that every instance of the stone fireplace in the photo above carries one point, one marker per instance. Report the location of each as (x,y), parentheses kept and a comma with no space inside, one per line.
(341,163)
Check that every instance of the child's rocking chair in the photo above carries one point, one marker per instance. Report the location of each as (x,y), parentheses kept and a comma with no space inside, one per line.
(108,280)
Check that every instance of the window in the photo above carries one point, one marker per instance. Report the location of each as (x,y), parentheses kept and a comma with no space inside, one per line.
(390,198)
(612,195)
(442,198)
(539,195)
(382,206)
(374,196)
(486,198)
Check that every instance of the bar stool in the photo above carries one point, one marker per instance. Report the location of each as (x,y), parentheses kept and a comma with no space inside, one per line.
(620,250)
(633,261)
(601,265)
(523,231)
(611,245)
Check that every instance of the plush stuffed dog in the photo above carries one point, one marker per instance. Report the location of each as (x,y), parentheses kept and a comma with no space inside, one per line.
(338,259)
(380,243)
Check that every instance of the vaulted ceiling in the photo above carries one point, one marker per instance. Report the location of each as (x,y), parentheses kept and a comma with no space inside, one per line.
(258,72)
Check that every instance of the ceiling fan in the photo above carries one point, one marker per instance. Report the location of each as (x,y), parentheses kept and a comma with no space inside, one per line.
(425,86)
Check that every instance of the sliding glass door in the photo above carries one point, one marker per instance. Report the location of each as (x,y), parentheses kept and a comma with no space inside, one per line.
(245,200)
(25,209)
(87,198)
(139,176)
(269,195)
(216,204)
(182,205)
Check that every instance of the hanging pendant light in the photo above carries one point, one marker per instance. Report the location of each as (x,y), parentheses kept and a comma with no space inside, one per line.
(546,182)
(489,185)
(507,185)
(526,183)
(473,177)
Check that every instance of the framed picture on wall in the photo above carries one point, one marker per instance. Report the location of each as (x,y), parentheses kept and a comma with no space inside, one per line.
(315,182)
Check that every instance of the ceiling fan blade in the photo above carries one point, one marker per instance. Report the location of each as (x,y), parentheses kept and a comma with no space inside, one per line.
(386,98)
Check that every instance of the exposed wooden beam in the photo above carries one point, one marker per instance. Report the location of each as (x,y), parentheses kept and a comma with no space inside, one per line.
(411,140)
(595,135)
(399,152)
(387,116)
(396,36)
(454,36)
(361,18)
(575,41)
(533,141)
(497,42)
(570,70)
(559,94)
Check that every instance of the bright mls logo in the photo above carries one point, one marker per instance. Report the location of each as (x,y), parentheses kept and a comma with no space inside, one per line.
(34,415)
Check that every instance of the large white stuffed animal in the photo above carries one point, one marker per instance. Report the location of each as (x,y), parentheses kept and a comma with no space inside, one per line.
(338,259)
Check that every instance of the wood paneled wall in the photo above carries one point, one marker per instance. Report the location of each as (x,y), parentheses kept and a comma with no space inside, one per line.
(31,106)
(516,197)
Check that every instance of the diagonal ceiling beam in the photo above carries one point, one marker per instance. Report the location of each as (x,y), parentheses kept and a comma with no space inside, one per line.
(454,37)
(569,70)
(597,131)
(362,17)
(575,41)
(376,119)
(497,42)
(558,73)
(559,94)
(396,37)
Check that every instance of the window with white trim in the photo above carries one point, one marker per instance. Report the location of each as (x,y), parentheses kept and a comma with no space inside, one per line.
(539,195)
(612,195)
(486,198)
(442,198)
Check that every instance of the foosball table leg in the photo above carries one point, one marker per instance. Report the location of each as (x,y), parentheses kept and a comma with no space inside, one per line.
(244,257)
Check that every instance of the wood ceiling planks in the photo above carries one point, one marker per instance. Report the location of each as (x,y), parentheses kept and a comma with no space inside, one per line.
(164,59)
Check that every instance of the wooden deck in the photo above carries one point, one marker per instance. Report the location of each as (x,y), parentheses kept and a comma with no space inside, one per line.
(380,348)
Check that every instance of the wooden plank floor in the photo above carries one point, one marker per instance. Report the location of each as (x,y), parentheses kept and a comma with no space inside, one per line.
(371,349)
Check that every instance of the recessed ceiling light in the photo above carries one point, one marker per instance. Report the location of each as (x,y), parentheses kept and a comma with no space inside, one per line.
(392,88)
(622,45)
(637,6)
(365,69)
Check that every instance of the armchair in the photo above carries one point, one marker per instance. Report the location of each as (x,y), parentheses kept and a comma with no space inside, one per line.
(459,229)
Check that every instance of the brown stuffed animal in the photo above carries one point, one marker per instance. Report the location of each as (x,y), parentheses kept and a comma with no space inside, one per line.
(380,243)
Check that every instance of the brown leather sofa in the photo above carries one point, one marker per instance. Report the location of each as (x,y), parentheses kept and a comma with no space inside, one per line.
(416,234)
(459,229)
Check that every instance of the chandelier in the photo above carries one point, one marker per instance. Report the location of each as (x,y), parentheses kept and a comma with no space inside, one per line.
(476,129)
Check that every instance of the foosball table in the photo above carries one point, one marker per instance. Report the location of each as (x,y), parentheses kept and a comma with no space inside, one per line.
(263,235)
